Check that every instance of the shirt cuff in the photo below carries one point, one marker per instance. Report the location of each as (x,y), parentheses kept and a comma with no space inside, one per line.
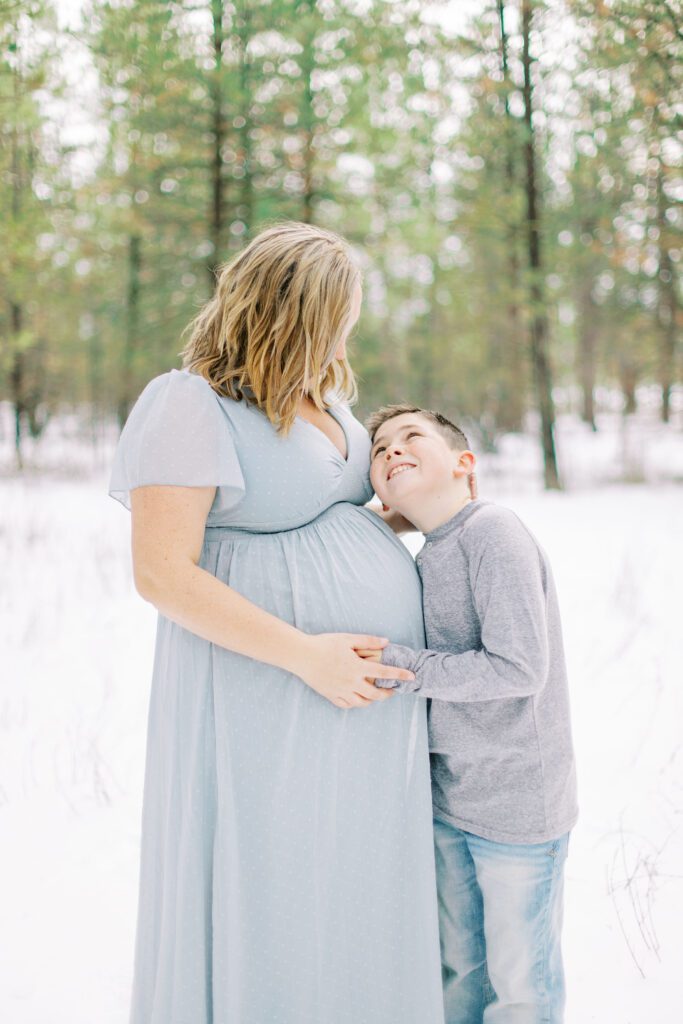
(398,656)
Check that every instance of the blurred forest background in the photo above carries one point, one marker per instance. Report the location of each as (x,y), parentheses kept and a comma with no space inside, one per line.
(510,177)
(509,173)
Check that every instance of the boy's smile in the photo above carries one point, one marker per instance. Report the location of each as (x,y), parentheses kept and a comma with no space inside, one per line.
(399,467)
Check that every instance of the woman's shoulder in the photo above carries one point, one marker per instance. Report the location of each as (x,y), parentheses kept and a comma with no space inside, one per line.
(175,407)
(179,381)
(176,434)
(184,390)
(173,382)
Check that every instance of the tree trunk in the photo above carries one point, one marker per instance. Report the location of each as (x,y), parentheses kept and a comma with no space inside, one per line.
(510,413)
(666,305)
(94,378)
(16,378)
(538,317)
(247,197)
(628,376)
(308,118)
(130,349)
(429,356)
(16,312)
(588,333)
(35,406)
(218,133)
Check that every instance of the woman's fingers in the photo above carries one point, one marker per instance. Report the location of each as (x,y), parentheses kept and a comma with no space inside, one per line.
(366,642)
(357,700)
(370,652)
(363,701)
(377,671)
(367,688)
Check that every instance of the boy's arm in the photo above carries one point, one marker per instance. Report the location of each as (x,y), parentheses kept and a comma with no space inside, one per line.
(509,596)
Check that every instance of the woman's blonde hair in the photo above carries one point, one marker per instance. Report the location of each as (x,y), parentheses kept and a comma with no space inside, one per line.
(279,312)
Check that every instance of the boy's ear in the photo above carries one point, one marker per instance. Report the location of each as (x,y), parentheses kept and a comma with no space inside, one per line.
(467,462)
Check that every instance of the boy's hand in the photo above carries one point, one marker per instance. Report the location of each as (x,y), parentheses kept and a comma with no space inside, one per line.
(472,482)
(375,654)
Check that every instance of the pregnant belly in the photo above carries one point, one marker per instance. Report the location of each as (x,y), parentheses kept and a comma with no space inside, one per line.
(343,572)
(346,572)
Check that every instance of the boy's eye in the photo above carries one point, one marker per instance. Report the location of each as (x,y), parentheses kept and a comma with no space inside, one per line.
(412,433)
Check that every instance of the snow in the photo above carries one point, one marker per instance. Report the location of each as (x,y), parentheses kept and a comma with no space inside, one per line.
(77,647)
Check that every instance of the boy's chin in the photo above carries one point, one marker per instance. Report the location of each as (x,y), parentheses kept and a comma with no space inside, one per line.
(389,504)
(393,507)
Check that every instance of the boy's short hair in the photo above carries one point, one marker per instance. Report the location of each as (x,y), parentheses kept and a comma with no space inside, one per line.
(453,435)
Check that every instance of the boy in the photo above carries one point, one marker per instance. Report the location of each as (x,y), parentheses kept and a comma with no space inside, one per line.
(503,775)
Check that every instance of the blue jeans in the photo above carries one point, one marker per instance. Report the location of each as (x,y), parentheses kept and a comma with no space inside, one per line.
(500,919)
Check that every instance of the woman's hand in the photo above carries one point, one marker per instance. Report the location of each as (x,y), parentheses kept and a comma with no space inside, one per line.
(370,653)
(333,668)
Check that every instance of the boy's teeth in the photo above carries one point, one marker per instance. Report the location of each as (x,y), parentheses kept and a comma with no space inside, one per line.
(399,469)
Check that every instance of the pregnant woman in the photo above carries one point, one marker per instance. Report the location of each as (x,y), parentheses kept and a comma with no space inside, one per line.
(287,865)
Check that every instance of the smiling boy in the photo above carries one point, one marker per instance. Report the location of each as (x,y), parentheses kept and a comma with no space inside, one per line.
(503,773)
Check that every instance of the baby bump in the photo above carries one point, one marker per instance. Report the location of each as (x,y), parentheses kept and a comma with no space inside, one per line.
(345,571)
(342,572)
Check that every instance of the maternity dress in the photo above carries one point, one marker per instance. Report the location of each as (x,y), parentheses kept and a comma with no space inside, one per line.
(287,864)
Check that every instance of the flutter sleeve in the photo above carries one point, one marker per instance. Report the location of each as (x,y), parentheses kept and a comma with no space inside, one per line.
(177,434)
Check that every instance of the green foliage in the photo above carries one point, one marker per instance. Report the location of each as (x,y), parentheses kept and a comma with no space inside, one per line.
(218,117)
(35,197)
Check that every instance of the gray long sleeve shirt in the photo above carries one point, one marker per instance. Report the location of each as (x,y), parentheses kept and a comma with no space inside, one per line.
(499,723)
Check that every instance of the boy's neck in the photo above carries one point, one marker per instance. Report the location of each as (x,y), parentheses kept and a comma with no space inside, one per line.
(435,511)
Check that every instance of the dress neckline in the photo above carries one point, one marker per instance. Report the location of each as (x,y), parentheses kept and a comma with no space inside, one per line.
(329,441)
(302,419)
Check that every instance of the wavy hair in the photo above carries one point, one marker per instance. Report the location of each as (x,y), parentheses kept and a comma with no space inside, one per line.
(280,309)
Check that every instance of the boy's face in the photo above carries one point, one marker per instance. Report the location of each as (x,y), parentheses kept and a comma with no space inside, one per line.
(414,442)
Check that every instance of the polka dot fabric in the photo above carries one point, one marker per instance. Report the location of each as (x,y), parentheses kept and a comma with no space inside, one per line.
(287,862)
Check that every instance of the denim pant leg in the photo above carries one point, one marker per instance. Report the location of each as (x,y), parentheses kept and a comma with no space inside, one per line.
(522,889)
(461,928)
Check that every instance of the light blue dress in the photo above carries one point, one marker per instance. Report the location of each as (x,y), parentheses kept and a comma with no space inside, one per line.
(287,865)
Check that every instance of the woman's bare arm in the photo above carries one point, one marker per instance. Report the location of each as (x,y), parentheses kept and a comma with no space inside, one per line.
(167,535)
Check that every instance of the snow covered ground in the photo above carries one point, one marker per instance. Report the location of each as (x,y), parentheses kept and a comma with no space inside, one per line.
(77,646)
